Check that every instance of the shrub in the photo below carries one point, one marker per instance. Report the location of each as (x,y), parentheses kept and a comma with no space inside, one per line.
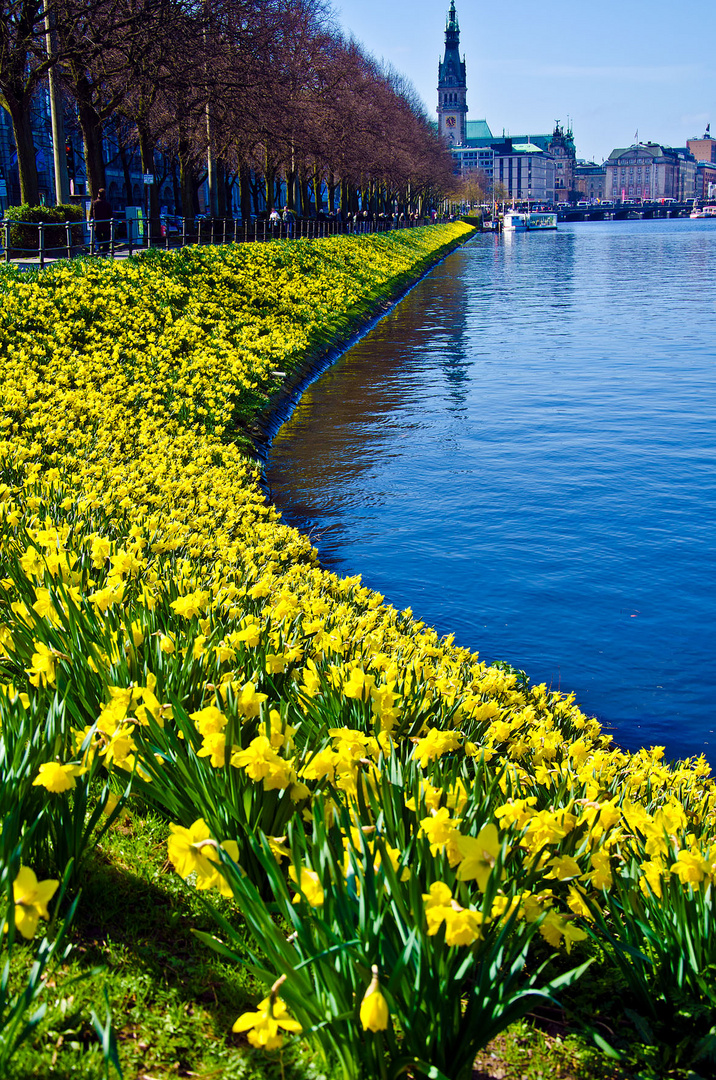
(25,236)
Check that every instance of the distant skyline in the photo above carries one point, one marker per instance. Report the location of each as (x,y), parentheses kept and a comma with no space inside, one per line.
(625,69)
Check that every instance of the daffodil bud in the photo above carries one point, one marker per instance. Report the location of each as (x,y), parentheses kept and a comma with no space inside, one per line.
(374,1007)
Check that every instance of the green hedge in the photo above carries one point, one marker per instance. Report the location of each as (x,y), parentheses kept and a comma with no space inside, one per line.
(25,237)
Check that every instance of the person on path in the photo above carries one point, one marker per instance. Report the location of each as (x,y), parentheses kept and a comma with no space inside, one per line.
(101,214)
(288,220)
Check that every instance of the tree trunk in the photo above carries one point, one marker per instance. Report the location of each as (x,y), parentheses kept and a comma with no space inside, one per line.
(228,186)
(303,186)
(22,129)
(146,149)
(269,177)
(317,195)
(176,187)
(124,159)
(255,182)
(91,127)
(245,185)
(187,180)
(220,199)
(291,190)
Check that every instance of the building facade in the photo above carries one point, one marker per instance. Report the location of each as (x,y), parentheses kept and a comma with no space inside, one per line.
(523,172)
(703,149)
(705,181)
(476,153)
(452,86)
(561,148)
(590,181)
(649,172)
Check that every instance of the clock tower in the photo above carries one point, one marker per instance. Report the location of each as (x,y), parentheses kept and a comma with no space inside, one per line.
(452,89)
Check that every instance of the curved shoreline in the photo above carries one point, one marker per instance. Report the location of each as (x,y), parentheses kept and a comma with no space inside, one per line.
(315,362)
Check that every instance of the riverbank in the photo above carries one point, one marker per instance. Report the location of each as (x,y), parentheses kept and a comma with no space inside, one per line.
(443,838)
(319,358)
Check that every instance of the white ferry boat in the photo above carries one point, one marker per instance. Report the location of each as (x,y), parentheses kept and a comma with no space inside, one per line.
(513,221)
(707,211)
(521,221)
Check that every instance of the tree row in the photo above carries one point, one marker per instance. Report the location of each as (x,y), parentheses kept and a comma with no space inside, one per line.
(242,93)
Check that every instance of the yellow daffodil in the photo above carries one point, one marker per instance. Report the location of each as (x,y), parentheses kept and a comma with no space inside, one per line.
(31,898)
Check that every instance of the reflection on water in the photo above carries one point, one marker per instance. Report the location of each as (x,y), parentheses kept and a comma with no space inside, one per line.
(522,451)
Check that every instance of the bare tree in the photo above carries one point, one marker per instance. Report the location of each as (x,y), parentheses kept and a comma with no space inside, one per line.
(24,63)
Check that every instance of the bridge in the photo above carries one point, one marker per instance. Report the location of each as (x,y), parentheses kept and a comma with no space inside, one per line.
(625,210)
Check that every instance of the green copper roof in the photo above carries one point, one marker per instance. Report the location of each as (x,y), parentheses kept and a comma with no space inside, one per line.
(478,129)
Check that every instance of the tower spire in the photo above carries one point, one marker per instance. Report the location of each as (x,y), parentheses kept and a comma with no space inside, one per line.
(452,87)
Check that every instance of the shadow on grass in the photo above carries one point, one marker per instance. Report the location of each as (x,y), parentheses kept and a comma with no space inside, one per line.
(173,1001)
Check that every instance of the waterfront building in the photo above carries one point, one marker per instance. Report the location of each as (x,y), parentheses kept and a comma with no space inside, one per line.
(524,172)
(590,180)
(561,148)
(650,171)
(686,179)
(705,180)
(476,154)
(703,149)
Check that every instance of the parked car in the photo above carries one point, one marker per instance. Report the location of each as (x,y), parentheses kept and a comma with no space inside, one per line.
(170,223)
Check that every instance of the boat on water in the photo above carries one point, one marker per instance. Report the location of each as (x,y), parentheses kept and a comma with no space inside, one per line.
(704,212)
(513,221)
(541,219)
(528,221)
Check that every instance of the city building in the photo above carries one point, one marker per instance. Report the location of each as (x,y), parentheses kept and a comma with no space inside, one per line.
(523,172)
(590,180)
(686,180)
(650,171)
(562,149)
(477,153)
(703,149)
(705,180)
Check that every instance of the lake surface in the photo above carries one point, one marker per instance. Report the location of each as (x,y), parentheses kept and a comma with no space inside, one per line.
(523,450)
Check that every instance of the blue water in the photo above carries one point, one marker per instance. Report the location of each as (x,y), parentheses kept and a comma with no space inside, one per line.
(523,452)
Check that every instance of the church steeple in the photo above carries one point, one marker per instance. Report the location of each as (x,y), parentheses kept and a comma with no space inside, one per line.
(452,87)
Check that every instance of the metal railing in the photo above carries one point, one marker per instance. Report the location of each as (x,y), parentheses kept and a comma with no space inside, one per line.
(118,238)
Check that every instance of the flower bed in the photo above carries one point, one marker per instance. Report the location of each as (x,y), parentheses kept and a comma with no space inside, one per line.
(426,826)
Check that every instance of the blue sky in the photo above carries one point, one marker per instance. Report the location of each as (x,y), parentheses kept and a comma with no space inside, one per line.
(625,67)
